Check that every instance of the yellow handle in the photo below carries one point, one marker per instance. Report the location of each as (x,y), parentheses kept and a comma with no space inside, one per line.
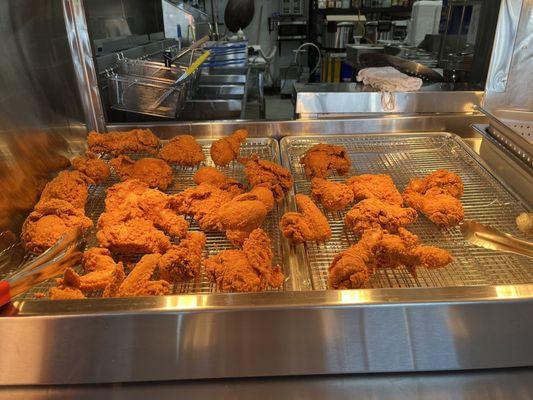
(195,65)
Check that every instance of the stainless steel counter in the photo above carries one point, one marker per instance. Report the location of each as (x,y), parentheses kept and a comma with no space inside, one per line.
(326,100)
(284,333)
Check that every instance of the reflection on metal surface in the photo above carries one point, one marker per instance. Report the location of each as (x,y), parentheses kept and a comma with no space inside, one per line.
(81,52)
(507,292)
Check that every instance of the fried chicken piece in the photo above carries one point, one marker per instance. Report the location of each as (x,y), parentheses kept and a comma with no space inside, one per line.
(322,160)
(214,177)
(49,222)
(353,268)
(139,283)
(182,150)
(247,270)
(183,261)
(92,166)
(240,216)
(125,235)
(437,197)
(70,186)
(307,225)
(142,202)
(333,196)
(118,276)
(136,140)
(265,195)
(68,287)
(268,174)
(99,269)
(374,213)
(225,150)
(202,203)
(368,186)
(153,171)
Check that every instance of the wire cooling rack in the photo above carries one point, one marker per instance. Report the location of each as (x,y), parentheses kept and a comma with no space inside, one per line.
(405,157)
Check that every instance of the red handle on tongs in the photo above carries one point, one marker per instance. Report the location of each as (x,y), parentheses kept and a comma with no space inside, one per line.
(5,293)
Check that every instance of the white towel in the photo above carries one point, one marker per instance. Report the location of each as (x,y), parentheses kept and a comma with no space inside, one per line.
(388,80)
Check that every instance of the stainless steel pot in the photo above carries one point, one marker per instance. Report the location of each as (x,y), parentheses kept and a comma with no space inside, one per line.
(337,34)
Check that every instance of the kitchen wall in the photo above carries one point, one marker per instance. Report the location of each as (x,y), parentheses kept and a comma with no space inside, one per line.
(267,40)
(112,18)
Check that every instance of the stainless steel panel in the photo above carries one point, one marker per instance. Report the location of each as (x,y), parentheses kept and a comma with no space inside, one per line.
(500,384)
(219,91)
(207,79)
(319,100)
(167,345)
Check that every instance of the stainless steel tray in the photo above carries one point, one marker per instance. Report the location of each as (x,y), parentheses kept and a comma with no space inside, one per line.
(405,157)
(183,179)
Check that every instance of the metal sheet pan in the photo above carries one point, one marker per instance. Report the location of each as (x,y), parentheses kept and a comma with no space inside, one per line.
(404,157)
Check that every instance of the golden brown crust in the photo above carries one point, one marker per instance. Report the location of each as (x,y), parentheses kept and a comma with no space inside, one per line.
(436,196)
(225,150)
(182,262)
(136,140)
(334,196)
(92,166)
(247,270)
(218,179)
(307,225)
(182,150)
(373,213)
(139,283)
(154,172)
(322,160)
(268,174)
(70,186)
(49,222)
(378,186)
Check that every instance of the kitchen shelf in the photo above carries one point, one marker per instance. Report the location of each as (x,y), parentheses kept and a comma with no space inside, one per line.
(365,10)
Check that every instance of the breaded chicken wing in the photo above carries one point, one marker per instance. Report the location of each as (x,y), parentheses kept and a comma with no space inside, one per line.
(334,196)
(70,186)
(136,140)
(92,166)
(153,171)
(182,150)
(247,270)
(182,262)
(225,150)
(373,213)
(99,269)
(322,160)
(139,283)
(437,197)
(268,174)
(368,186)
(216,178)
(49,221)
(118,276)
(307,225)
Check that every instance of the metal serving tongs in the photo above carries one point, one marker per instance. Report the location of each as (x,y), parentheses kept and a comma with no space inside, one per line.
(491,238)
(65,253)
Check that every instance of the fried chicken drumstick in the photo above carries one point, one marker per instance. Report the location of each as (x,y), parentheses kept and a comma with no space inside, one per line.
(153,171)
(225,150)
(437,197)
(246,270)
(307,225)
(334,196)
(182,150)
(136,140)
(92,166)
(322,160)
